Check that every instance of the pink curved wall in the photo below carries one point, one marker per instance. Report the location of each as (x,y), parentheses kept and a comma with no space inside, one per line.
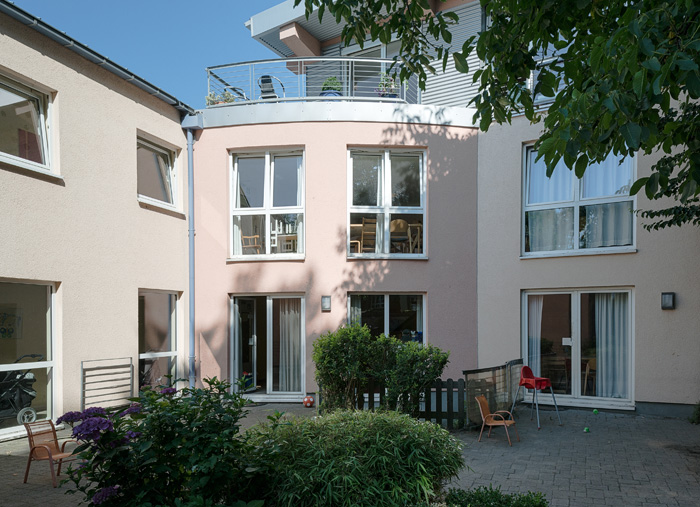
(447,277)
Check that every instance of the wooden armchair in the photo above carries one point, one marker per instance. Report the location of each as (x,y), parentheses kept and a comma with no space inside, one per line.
(43,446)
(495,419)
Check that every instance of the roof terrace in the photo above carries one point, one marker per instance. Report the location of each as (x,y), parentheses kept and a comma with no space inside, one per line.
(309,79)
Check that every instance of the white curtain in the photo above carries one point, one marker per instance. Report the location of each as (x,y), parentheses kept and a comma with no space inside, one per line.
(237,250)
(290,345)
(534,332)
(355,310)
(550,229)
(608,178)
(607,225)
(543,190)
(612,347)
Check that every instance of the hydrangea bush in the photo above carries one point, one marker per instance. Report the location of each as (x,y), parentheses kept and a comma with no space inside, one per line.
(168,448)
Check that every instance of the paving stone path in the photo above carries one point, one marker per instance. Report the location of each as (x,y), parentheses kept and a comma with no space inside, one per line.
(623,460)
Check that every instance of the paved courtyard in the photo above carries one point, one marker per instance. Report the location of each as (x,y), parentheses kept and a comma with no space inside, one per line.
(623,460)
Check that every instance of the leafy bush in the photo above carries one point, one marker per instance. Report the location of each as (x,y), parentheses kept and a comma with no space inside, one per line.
(490,497)
(331,83)
(348,359)
(168,448)
(359,458)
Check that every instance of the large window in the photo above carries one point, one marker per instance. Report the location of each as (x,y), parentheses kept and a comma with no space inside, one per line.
(565,214)
(157,338)
(155,173)
(267,205)
(581,340)
(23,126)
(387,204)
(26,360)
(399,315)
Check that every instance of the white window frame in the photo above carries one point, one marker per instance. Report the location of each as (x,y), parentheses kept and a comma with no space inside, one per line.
(269,395)
(385,208)
(172,174)
(174,335)
(576,203)
(45,105)
(576,400)
(267,209)
(386,296)
(47,363)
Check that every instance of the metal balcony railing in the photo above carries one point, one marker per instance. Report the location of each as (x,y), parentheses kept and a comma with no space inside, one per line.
(308,79)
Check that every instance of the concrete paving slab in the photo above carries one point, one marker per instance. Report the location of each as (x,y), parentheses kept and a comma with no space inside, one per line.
(624,460)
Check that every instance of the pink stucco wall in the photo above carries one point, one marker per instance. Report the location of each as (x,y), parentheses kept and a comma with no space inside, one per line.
(447,277)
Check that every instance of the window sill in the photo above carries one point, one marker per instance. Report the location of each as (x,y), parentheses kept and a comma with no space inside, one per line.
(163,207)
(394,257)
(580,253)
(266,258)
(26,166)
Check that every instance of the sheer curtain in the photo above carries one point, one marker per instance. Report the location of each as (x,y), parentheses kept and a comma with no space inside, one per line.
(607,178)
(356,310)
(607,225)
(550,229)
(534,332)
(543,190)
(290,345)
(611,325)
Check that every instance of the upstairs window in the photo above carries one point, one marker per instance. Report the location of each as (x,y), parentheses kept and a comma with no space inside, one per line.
(387,204)
(267,205)
(155,173)
(23,126)
(565,214)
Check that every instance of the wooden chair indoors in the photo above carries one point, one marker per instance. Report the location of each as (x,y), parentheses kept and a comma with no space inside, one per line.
(43,446)
(495,419)
(398,229)
(251,243)
(368,240)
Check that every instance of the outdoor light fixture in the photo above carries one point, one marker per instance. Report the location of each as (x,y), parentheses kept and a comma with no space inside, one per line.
(325,303)
(668,300)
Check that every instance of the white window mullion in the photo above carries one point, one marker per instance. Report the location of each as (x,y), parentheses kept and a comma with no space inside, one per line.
(386,202)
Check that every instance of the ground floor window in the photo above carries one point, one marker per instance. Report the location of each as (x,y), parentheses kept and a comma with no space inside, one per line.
(157,338)
(399,315)
(26,362)
(268,343)
(581,340)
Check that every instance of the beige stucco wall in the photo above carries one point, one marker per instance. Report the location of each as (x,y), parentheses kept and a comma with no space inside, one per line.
(85,232)
(665,343)
(448,277)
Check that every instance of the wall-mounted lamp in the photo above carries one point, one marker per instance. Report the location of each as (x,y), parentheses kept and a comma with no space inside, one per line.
(668,300)
(325,303)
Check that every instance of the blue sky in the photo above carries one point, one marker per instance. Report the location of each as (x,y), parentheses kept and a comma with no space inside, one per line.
(166,42)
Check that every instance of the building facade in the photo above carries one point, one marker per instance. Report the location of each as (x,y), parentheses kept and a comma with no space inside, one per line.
(325,192)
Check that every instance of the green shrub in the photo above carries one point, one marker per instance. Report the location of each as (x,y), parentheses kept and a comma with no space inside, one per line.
(358,458)
(348,359)
(695,417)
(490,497)
(168,448)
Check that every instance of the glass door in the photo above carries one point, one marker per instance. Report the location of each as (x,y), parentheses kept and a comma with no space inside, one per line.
(581,341)
(245,343)
(549,338)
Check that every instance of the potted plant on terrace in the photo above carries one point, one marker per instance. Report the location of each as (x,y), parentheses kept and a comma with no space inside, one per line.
(388,87)
(220,98)
(331,87)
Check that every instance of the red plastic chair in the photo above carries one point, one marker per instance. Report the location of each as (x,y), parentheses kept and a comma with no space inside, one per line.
(529,381)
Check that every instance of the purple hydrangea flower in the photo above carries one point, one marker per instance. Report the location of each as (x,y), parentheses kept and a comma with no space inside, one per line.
(168,390)
(131,435)
(70,417)
(93,411)
(92,428)
(134,408)
(104,494)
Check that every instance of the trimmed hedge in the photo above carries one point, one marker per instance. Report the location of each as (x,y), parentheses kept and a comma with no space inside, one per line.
(350,458)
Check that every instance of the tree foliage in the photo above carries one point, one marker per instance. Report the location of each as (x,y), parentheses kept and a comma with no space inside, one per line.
(622,74)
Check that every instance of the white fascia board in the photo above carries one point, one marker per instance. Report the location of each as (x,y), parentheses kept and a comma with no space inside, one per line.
(294,112)
(274,17)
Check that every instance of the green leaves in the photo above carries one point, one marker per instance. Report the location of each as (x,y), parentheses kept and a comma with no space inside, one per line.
(632,134)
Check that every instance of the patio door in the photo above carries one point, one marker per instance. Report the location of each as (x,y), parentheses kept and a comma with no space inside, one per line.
(268,344)
(245,342)
(581,341)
